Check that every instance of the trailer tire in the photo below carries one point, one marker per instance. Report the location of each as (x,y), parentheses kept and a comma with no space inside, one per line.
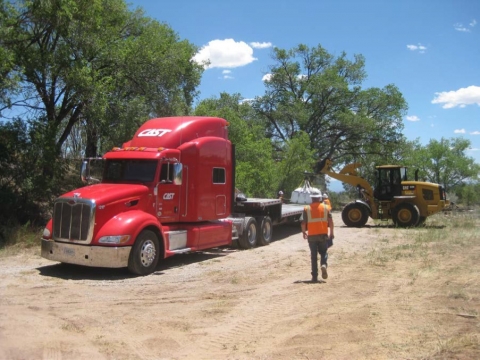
(406,215)
(145,253)
(265,230)
(355,214)
(248,239)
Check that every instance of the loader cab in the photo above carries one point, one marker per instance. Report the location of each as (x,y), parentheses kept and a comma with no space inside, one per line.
(388,181)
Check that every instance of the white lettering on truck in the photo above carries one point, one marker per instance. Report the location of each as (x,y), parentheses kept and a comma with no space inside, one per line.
(168,196)
(153,132)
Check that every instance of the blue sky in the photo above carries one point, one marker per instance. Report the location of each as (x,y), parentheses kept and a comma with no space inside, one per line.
(430,49)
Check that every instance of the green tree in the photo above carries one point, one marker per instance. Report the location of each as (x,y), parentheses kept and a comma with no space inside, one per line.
(256,173)
(310,90)
(295,159)
(444,162)
(87,60)
(470,194)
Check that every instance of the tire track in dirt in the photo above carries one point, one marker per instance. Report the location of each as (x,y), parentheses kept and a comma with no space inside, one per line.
(274,306)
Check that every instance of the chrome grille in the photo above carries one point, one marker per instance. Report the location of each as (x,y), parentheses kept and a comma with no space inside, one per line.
(73,219)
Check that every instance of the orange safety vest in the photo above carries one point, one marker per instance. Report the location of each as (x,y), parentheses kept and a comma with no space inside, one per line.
(317,215)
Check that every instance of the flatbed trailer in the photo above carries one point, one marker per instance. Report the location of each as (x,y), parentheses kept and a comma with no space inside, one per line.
(254,219)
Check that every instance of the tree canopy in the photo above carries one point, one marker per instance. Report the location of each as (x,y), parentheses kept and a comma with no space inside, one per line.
(312,91)
(89,60)
(444,162)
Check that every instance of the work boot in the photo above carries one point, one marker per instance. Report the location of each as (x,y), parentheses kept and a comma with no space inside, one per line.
(314,279)
(324,272)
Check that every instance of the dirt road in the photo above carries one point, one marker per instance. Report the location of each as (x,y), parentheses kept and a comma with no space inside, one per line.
(383,299)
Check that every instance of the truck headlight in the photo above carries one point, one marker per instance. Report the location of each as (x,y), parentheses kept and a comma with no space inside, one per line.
(118,239)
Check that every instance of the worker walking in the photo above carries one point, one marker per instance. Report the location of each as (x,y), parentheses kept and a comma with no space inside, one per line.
(316,220)
(326,200)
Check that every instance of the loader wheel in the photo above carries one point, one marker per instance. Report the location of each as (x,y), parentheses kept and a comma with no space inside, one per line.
(406,215)
(248,239)
(145,253)
(266,230)
(355,214)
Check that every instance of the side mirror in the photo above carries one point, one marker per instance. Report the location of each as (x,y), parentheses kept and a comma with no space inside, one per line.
(85,171)
(177,173)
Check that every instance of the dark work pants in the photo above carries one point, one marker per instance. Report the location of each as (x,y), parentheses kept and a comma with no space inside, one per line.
(321,248)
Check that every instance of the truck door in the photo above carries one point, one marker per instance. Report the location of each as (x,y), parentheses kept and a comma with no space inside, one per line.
(169,192)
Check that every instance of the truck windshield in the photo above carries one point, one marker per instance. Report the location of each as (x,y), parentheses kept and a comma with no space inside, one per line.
(130,171)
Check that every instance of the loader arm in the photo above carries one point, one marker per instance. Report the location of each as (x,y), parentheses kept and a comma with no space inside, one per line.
(348,175)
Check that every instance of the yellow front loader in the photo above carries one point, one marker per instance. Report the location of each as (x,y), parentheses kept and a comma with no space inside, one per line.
(407,203)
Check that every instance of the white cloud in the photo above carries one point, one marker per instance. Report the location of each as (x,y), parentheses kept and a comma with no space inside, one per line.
(475,133)
(259,45)
(267,77)
(461,97)
(413,118)
(473,149)
(420,48)
(226,53)
(226,74)
(459,131)
(460,27)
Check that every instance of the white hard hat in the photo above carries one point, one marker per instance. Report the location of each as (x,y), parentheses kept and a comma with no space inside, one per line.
(325,196)
(280,192)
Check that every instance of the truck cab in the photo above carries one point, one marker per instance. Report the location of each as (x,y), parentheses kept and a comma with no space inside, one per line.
(166,191)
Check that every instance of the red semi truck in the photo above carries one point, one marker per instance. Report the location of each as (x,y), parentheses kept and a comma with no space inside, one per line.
(169,190)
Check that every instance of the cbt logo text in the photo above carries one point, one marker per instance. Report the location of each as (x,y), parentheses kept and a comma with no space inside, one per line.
(168,196)
(153,132)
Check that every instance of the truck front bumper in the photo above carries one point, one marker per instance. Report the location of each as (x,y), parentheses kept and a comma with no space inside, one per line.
(95,256)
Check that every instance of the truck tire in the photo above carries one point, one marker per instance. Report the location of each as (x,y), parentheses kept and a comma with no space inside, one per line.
(248,239)
(355,214)
(145,253)
(265,230)
(406,215)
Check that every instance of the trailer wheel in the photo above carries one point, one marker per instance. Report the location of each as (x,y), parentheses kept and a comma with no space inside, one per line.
(248,239)
(265,230)
(355,214)
(144,256)
(406,215)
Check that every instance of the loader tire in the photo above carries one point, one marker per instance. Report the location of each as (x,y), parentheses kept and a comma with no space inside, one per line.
(355,214)
(406,215)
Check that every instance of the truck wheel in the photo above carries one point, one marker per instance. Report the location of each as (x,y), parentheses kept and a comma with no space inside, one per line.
(266,230)
(248,239)
(406,215)
(355,214)
(145,253)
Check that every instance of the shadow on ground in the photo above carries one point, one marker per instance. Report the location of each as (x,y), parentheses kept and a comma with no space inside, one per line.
(78,272)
